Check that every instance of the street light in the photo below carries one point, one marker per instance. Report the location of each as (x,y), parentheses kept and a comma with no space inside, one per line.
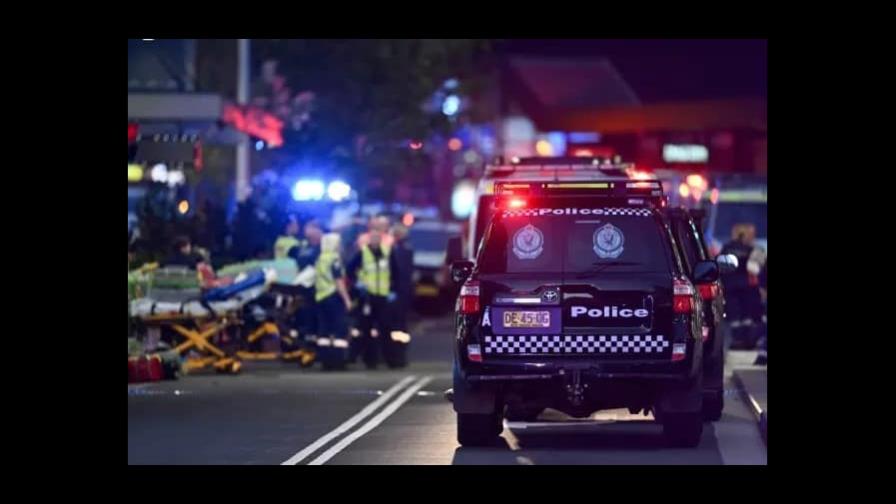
(451,105)
(463,199)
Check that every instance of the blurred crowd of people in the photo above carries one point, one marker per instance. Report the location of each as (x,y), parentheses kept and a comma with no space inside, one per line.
(368,282)
(746,292)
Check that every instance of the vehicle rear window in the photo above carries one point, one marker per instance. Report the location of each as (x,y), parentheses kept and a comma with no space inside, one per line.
(564,240)
(690,246)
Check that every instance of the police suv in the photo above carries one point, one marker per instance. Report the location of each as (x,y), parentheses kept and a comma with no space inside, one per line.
(579,301)
(687,229)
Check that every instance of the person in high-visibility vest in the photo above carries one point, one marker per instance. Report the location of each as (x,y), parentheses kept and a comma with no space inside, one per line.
(305,254)
(373,268)
(381,224)
(332,304)
(287,240)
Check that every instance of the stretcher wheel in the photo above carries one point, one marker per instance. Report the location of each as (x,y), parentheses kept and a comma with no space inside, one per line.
(307,359)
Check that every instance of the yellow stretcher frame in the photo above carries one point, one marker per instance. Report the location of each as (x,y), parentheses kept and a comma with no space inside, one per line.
(270,328)
(200,339)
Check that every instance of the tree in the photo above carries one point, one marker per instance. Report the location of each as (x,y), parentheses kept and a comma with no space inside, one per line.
(368,95)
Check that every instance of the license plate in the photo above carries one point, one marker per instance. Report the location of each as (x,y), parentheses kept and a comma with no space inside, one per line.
(527,319)
(427,290)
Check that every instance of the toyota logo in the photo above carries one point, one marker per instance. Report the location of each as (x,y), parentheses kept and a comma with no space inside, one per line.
(549,296)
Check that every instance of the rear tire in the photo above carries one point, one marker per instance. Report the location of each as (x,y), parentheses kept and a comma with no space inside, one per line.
(517,414)
(478,430)
(713,404)
(683,430)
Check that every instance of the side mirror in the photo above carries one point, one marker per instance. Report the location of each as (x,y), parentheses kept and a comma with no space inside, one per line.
(454,250)
(706,272)
(727,263)
(461,270)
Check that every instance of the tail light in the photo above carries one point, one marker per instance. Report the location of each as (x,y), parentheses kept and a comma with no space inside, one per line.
(468,301)
(682,296)
(708,291)
(678,351)
(474,353)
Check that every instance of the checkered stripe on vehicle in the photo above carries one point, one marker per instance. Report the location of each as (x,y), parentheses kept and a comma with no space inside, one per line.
(575,344)
(528,212)
(636,212)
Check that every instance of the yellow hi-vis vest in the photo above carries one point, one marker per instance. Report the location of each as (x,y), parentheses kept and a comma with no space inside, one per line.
(282,246)
(324,284)
(374,273)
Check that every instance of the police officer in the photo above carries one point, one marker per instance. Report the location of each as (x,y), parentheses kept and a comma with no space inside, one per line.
(183,254)
(762,356)
(403,281)
(381,224)
(374,268)
(742,297)
(287,240)
(332,304)
(305,253)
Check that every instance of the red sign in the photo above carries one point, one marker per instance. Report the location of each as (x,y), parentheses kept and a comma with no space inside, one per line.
(255,122)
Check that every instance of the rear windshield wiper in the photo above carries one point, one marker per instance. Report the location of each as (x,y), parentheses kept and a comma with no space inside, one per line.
(600,266)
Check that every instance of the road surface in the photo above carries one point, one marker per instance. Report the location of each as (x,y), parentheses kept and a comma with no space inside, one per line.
(274,413)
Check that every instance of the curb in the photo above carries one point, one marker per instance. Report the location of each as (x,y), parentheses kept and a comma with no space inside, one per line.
(760,414)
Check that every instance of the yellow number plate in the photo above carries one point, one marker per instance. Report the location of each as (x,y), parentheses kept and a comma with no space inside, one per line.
(527,319)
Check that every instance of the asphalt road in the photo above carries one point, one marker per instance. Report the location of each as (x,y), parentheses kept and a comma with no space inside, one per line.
(274,413)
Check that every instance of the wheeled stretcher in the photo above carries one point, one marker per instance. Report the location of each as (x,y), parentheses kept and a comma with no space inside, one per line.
(200,319)
(272,317)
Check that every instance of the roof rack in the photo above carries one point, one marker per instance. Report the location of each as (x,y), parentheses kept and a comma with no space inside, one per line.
(604,165)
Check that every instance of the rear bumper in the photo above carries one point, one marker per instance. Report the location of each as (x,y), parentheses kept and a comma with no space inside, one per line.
(482,393)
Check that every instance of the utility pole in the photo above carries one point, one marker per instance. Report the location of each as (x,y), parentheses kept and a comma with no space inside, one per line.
(242,98)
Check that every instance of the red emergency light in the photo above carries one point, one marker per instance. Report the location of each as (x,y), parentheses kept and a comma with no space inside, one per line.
(133,131)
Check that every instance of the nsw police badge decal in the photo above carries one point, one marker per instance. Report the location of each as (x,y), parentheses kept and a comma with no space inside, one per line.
(608,241)
(528,242)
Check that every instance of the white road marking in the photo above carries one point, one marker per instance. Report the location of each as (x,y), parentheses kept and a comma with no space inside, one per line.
(372,423)
(348,424)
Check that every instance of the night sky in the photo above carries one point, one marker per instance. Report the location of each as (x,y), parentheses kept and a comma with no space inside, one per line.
(666,70)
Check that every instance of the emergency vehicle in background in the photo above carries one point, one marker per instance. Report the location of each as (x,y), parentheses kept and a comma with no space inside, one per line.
(727,200)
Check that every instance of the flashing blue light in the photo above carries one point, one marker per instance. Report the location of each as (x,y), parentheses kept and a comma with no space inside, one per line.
(584,137)
(259,145)
(451,105)
(338,190)
(557,140)
(307,190)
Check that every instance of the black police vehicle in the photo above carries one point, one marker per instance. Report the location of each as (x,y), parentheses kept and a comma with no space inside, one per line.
(687,230)
(579,301)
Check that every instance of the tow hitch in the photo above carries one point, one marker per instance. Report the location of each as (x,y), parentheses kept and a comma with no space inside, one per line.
(575,390)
